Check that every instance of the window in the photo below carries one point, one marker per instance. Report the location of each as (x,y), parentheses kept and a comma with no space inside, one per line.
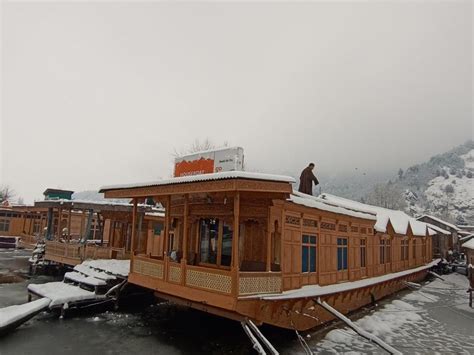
(157,228)
(36,227)
(215,242)
(226,256)
(414,248)
(363,252)
(404,250)
(4,225)
(382,251)
(388,251)
(308,253)
(341,254)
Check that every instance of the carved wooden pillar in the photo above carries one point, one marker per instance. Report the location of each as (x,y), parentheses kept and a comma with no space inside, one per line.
(235,246)
(69,225)
(167,224)
(185,227)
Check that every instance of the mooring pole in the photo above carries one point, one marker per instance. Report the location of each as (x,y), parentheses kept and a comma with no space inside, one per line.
(358,329)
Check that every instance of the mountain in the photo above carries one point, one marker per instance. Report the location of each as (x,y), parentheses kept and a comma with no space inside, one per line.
(443,186)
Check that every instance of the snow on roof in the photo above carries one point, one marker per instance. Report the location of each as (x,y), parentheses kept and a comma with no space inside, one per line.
(204,177)
(437,229)
(440,221)
(399,219)
(315,202)
(91,202)
(60,293)
(469,244)
(316,290)
(10,315)
(467,237)
(81,278)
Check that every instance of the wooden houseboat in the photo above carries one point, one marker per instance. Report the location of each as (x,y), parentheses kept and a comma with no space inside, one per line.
(77,230)
(245,246)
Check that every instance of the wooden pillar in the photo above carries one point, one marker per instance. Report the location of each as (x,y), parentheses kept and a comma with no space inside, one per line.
(81,230)
(185,228)
(140,220)
(167,223)
(134,229)
(24,222)
(235,246)
(235,239)
(269,244)
(69,217)
(60,214)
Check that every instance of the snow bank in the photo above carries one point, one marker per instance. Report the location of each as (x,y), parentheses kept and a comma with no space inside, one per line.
(10,315)
(204,177)
(60,293)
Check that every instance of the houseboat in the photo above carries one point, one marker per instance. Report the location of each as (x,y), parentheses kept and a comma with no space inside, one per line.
(246,246)
(77,230)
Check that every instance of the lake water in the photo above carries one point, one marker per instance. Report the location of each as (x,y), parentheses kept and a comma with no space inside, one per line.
(434,320)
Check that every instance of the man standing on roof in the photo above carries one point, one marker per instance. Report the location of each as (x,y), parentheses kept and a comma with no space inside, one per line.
(306,180)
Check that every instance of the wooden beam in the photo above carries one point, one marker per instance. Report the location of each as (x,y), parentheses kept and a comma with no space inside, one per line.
(134,229)
(69,225)
(185,228)
(167,224)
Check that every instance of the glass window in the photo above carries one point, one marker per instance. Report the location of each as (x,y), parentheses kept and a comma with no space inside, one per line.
(341,254)
(157,228)
(382,251)
(363,252)
(226,256)
(4,225)
(209,236)
(308,253)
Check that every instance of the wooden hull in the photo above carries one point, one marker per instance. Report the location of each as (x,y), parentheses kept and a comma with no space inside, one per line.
(304,313)
(301,313)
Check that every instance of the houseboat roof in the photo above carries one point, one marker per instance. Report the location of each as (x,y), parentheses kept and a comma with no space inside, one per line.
(399,220)
(469,244)
(447,224)
(204,177)
(318,203)
(85,204)
(215,182)
(438,229)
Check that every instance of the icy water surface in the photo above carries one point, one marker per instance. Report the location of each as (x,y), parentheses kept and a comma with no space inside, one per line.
(434,320)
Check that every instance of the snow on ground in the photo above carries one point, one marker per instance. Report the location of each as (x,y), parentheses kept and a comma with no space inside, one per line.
(10,315)
(111,266)
(417,322)
(60,293)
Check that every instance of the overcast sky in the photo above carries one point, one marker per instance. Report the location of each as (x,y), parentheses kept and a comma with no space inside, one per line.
(98,94)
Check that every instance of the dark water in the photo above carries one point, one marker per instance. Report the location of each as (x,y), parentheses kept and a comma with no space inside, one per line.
(417,325)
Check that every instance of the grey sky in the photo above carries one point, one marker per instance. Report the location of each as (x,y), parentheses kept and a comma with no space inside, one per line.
(97,94)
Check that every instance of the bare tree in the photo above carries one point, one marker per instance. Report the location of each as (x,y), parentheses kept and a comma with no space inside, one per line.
(197,146)
(387,196)
(6,193)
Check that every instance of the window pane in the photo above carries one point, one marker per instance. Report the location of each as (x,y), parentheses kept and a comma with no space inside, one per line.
(304,258)
(345,257)
(312,239)
(312,259)
(226,256)
(339,258)
(305,238)
(208,235)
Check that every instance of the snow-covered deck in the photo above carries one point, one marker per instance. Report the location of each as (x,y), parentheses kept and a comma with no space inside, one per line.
(61,293)
(316,290)
(13,314)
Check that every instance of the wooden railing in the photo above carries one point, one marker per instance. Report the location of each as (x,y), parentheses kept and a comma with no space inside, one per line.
(209,279)
(83,252)
(148,266)
(251,283)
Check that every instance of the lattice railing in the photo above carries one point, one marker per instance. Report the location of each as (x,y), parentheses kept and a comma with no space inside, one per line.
(251,283)
(55,248)
(174,274)
(209,279)
(153,268)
